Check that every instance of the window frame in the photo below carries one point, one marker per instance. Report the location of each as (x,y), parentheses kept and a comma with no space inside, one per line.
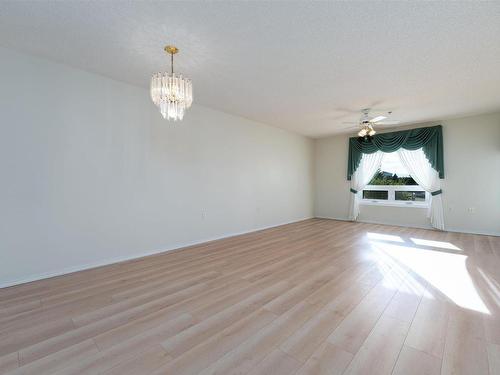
(391,201)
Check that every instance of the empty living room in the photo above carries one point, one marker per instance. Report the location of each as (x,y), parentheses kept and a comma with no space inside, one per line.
(249,187)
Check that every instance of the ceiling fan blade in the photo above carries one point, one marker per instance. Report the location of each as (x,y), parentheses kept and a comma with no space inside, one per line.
(390,122)
(377,119)
(349,128)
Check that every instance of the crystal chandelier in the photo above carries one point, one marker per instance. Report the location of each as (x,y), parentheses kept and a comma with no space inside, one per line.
(171,93)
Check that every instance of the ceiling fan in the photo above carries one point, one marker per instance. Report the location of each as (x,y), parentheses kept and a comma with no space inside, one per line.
(366,122)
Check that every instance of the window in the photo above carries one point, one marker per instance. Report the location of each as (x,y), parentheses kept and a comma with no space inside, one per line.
(393,186)
(375,194)
(414,196)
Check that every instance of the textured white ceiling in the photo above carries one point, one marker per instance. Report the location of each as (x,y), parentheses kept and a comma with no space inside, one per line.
(303,66)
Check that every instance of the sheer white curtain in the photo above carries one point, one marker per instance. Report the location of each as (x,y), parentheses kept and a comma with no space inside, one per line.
(364,173)
(428,178)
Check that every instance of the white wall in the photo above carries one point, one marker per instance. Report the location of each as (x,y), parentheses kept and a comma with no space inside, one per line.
(91,173)
(472,179)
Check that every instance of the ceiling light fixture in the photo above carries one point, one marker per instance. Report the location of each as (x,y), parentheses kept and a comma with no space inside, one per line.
(171,93)
(366,130)
(366,124)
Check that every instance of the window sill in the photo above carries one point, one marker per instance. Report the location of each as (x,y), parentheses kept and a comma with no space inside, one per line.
(372,202)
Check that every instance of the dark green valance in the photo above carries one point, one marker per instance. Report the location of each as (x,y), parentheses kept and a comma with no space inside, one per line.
(430,139)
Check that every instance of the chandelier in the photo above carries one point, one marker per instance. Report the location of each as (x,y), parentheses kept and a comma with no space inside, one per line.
(171,93)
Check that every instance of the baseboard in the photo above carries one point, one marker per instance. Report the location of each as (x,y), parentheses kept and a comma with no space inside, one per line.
(332,218)
(396,225)
(474,232)
(372,222)
(106,262)
(411,226)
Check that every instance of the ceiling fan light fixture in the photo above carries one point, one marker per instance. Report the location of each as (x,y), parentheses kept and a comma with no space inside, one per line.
(363,132)
(366,130)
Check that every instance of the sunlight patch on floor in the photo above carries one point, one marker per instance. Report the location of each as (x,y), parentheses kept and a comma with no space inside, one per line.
(493,287)
(444,271)
(396,276)
(384,237)
(438,244)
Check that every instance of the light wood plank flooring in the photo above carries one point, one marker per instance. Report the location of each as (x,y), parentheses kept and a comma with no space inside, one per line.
(313,297)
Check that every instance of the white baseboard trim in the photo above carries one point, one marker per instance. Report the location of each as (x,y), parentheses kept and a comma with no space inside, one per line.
(396,225)
(412,226)
(373,222)
(106,262)
(473,232)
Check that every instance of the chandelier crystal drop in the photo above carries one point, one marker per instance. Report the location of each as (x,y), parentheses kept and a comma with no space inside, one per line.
(172,93)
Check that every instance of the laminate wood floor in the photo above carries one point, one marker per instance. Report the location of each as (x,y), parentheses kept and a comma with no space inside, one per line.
(313,297)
